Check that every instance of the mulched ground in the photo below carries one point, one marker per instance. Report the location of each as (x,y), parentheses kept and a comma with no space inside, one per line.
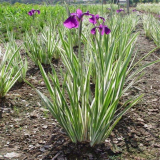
(29,132)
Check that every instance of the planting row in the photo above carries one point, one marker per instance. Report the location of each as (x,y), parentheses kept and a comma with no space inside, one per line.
(151,28)
(149,7)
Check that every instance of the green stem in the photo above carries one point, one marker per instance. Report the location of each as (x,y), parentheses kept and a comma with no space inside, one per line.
(79,48)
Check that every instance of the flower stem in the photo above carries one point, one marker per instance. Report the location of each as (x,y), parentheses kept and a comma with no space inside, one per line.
(79,47)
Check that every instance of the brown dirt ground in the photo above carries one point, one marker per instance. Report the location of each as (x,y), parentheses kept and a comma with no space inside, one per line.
(29,132)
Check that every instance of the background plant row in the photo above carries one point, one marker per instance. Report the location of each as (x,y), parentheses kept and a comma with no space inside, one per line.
(15,17)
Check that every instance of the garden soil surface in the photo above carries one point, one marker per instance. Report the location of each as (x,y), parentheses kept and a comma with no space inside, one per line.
(29,132)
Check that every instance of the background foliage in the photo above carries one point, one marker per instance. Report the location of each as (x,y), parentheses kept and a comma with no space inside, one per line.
(74,1)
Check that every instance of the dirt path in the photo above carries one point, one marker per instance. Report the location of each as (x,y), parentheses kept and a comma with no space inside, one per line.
(28,131)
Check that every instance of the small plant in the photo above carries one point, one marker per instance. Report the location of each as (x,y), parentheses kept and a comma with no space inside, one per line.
(17,61)
(120,10)
(33,12)
(148,7)
(16,111)
(147,25)
(43,47)
(151,28)
(8,77)
(87,115)
(45,113)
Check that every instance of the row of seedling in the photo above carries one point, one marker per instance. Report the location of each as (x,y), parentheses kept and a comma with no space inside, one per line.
(151,28)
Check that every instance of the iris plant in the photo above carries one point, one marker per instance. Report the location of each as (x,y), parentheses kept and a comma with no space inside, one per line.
(17,62)
(75,21)
(151,28)
(42,47)
(7,78)
(88,116)
(33,12)
(134,10)
(95,18)
(102,28)
(149,7)
(120,10)
(75,18)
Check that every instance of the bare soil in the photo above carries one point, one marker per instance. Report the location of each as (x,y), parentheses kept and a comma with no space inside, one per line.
(29,132)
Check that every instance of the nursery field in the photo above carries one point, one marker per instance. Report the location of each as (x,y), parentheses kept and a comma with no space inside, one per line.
(79,83)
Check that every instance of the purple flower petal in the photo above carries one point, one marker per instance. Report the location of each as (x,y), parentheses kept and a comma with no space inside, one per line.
(97,16)
(38,11)
(93,30)
(33,11)
(107,30)
(103,29)
(86,13)
(30,13)
(74,19)
(120,10)
(102,19)
(79,13)
(73,14)
(94,18)
(71,22)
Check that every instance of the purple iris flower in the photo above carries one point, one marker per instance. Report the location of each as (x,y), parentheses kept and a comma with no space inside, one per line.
(95,18)
(103,29)
(109,8)
(134,10)
(120,10)
(74,19)
(32,12)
